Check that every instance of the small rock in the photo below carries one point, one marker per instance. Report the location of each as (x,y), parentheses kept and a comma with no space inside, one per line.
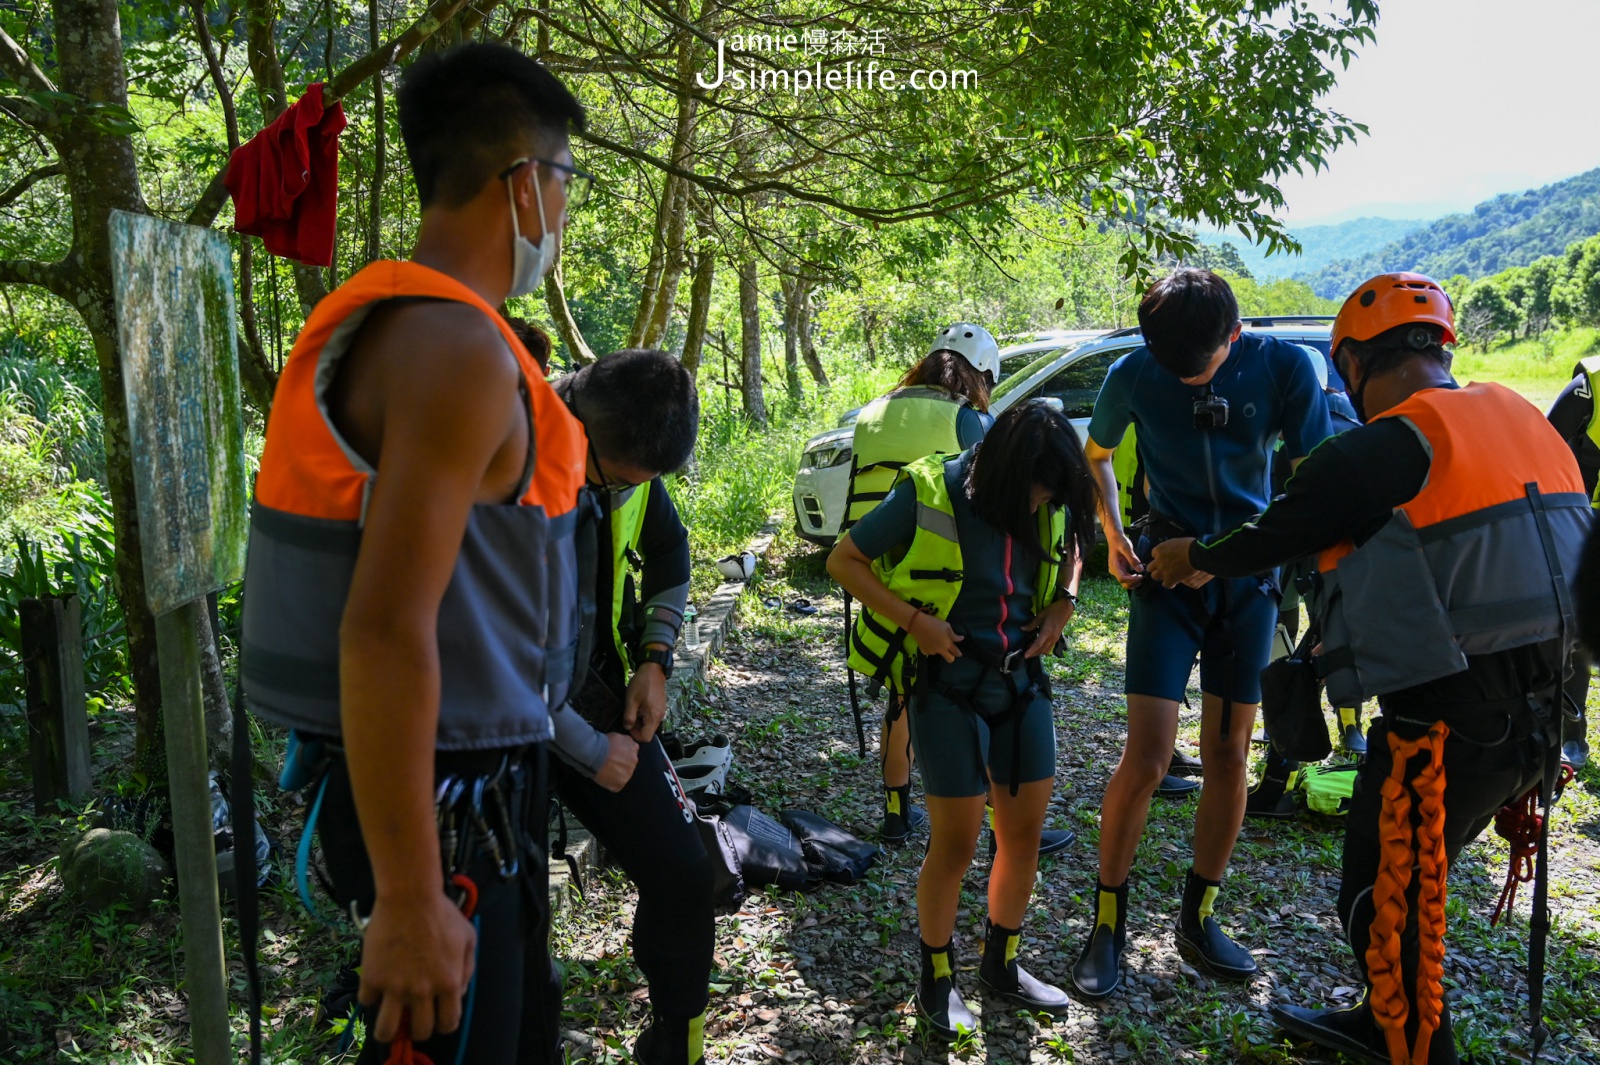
(106,866)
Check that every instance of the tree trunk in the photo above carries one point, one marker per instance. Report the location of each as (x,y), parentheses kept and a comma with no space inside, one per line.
(660,287)
(671,273)
(789,285)
(214,697)
(555,298)
(755,404)
(869,322)
(101,177)
(808,349)
(380,146)
(694,339)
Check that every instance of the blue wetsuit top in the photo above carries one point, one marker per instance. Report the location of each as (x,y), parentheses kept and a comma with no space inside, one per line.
(1210,480)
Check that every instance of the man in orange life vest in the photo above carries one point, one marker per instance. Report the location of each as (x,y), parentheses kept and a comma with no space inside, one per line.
(412,607)
(1449,525)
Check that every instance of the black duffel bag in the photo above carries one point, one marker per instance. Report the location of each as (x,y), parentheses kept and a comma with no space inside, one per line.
(1291,705)
(727,871)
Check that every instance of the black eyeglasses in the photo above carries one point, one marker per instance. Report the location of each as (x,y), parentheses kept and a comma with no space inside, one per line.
(578,183)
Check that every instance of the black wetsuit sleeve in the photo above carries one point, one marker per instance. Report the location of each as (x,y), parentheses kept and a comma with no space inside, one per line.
(1571,414)
(970,427)
(1346,488)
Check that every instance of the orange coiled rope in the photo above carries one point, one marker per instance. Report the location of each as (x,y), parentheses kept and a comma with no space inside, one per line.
(1398,853)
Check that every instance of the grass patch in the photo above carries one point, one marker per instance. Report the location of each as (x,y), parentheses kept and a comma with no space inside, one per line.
(1538,369)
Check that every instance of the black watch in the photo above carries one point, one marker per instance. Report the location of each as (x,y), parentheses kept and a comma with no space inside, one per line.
(660,657)
(1066,593)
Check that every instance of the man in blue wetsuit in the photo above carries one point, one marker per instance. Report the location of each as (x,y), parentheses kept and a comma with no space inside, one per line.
(1210,403)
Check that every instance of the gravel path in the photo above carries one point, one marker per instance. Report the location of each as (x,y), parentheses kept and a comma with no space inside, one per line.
(828,976)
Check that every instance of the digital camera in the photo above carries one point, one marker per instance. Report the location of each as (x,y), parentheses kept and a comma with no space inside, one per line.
(1210,411)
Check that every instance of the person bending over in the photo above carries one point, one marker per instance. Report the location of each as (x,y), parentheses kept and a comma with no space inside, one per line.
(1444,556)
(967,573)
(1210,402)
(641,412)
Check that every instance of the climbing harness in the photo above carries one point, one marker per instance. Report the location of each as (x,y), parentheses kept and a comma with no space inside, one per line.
(1004,665)
(1400,849)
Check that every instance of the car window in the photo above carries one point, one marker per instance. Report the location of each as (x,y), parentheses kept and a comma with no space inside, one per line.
(1016,377)
(1077,385)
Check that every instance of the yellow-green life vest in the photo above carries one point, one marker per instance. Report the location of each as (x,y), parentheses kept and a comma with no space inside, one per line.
(930,573)
(895,429)
(1590,368)
(1125,463)
(627,525)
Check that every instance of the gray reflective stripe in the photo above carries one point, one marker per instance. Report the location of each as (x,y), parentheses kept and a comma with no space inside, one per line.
(1492,616)
(310,534)
(290,674)
(937,522)
(1443,530)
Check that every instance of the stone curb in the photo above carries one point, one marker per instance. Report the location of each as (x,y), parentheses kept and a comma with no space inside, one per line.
(715,621)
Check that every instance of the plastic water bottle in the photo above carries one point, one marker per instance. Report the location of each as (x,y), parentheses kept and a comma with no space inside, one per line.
(691,628)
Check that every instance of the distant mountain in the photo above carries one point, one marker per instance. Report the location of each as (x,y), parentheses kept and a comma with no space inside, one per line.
(1322,245)
(1509,230)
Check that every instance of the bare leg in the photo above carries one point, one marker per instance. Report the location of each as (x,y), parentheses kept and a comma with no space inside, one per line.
(1221,811)
(895,743)
(954,825)
(1146,756)
(1017,823)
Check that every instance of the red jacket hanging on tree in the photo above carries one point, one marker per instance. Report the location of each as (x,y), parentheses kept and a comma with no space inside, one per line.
(285,181)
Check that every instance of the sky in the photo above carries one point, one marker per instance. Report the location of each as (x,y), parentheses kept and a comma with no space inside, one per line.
(1464,99)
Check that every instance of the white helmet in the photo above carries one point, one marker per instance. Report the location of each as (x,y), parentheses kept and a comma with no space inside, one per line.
(704,765)
(1319,364)
(973,343)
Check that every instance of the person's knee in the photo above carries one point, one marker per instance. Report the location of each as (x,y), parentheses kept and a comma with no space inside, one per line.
(1224,759)
(1144,768)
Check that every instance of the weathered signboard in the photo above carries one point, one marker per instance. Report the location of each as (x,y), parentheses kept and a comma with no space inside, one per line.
(175,319)
(174,289)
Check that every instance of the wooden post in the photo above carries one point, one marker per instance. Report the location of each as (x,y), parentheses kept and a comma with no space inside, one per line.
(58,713)
(183,715)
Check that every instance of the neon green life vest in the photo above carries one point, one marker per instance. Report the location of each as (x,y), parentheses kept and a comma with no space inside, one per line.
(627,526)
(1125,462)
(929,576)
(1590,368)
(895,429)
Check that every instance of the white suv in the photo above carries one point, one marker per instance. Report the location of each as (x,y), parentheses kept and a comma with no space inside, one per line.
(1068,368)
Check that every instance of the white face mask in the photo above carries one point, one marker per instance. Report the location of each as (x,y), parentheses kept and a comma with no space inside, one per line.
(529,263)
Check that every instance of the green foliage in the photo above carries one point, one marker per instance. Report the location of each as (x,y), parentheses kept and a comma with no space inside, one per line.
(1538,369)
(1510,230)
(1280,297)
(1555,291)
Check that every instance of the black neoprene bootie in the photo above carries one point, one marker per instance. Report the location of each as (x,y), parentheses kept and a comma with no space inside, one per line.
(1001,974)
(1202,938)
(1098,970)
(1350,736)
(900,818)
(669,1041)
(938,1002)
(1272,798)
(1355,1032)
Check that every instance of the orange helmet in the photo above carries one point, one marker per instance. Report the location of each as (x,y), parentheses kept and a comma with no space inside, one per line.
(1389,300)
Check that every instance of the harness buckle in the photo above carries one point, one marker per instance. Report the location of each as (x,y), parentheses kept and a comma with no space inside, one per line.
(1013,660)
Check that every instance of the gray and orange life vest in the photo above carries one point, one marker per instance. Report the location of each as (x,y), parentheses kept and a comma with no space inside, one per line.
(1470,565)
(509,621)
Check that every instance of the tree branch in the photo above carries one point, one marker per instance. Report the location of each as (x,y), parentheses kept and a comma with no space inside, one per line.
(19,66)
(52,277)
(346,81)
(14,193)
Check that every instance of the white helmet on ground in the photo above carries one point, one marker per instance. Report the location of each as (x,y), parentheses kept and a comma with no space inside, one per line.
(704,765)
(973,343)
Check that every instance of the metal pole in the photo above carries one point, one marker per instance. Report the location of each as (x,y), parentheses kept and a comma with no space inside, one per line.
(183,712)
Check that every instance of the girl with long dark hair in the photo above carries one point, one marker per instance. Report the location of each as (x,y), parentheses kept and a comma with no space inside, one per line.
(968,573)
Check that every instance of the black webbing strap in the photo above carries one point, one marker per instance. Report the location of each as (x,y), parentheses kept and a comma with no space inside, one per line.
(1539,920)
(247,903)
(946,574)
(850,675)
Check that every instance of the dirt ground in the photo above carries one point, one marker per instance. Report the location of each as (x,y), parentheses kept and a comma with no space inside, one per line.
(828,976)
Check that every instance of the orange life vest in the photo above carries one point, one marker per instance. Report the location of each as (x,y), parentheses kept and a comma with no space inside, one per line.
(508,622)
(1468,565)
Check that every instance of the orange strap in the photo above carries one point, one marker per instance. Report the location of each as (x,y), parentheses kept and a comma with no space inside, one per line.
(1398,852)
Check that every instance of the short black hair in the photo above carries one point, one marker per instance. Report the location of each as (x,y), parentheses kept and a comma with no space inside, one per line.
(1185,317)
(466,114)
(536,340)
(638,405)
(1034,443)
